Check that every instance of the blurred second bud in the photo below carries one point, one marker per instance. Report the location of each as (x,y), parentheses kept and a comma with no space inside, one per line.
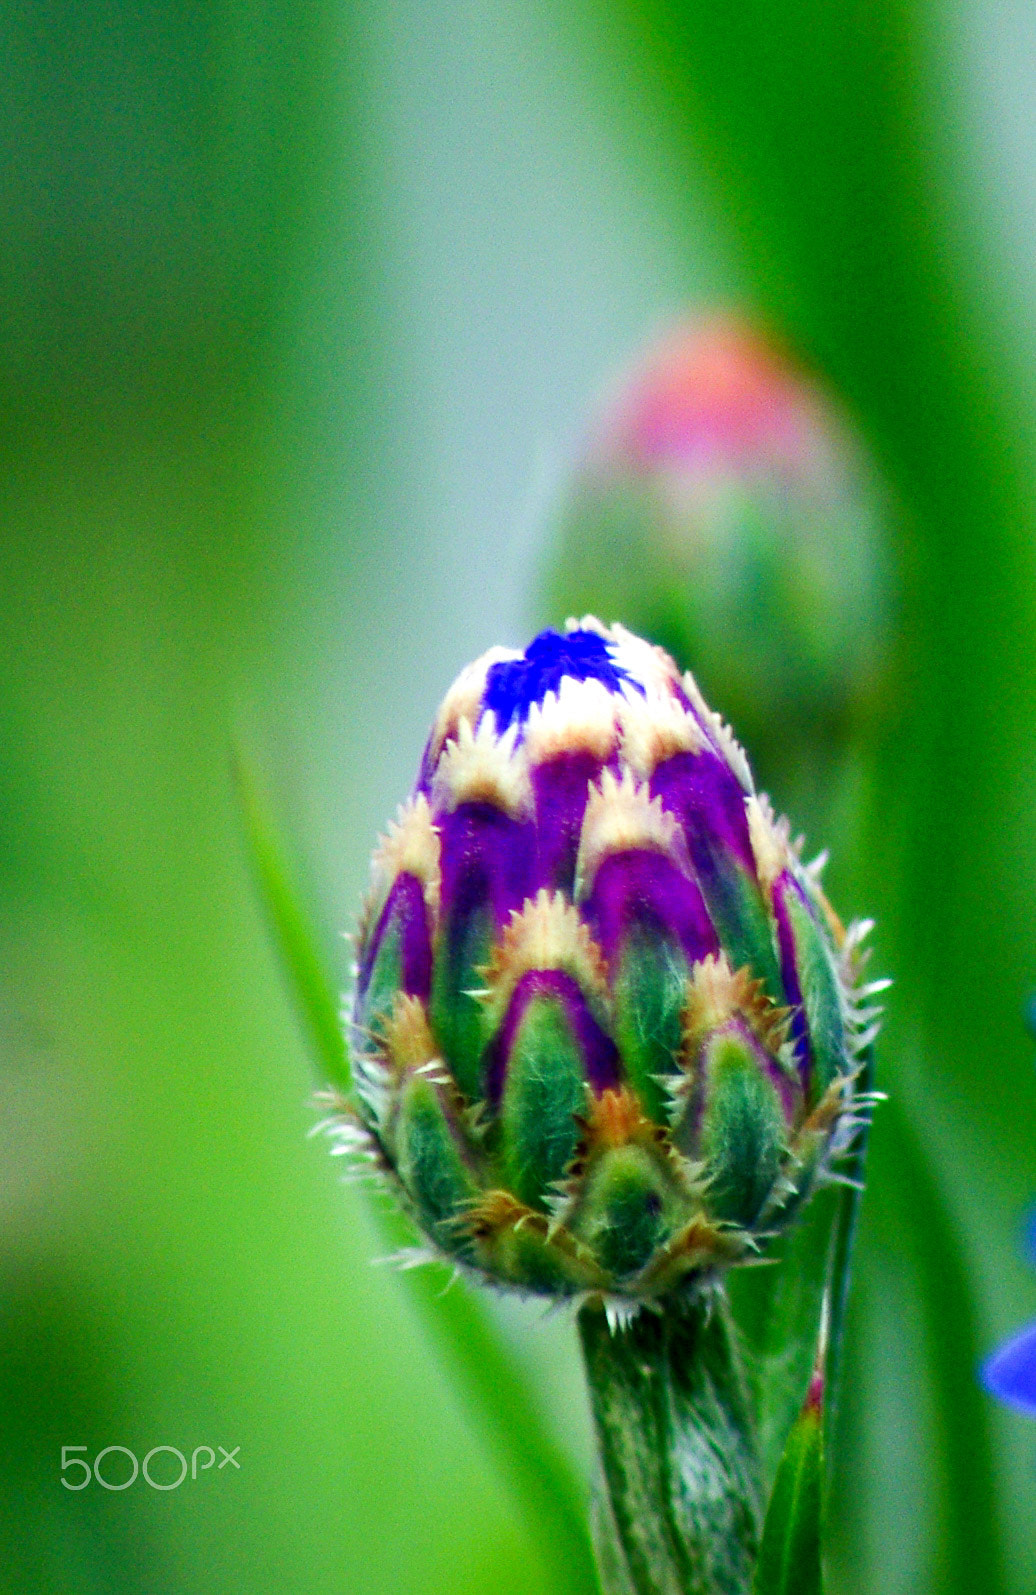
(724,508)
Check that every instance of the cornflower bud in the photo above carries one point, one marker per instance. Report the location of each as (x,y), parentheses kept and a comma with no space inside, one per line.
(721,495)
(606,1026)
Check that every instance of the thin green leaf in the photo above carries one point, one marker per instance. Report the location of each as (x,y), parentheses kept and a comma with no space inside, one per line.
(839,1271)
(492,1382)
(777,1308)
(296,943)
(789,1556)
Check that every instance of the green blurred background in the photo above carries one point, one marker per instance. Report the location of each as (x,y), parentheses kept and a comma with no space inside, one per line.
(302,308)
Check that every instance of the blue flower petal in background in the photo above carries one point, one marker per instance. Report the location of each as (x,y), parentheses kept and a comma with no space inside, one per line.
(1010,1373)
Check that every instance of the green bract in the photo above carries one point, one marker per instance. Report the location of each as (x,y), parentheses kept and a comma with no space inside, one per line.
(606,1025)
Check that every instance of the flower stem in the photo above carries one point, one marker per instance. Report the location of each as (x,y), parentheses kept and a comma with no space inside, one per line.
(678,1447)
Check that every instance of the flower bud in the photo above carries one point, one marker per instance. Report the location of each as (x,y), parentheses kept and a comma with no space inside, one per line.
(721,496)
(605,1028)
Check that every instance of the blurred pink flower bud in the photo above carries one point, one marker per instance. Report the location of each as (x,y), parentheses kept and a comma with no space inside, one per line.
(723,506)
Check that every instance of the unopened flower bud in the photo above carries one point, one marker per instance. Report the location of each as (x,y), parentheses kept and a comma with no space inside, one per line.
(723,505)
(605,1027)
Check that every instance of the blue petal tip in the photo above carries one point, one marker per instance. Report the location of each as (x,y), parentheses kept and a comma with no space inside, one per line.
(514,686)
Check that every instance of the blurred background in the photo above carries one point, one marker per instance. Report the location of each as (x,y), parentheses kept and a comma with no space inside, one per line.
(305,309)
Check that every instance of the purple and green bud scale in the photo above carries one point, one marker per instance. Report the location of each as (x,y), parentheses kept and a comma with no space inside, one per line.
(606,1027)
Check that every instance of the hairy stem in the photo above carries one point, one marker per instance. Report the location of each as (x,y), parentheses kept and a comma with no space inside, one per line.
(678,1447)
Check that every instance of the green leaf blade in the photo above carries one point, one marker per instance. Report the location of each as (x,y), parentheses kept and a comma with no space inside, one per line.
(293,935)
(790,1552)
